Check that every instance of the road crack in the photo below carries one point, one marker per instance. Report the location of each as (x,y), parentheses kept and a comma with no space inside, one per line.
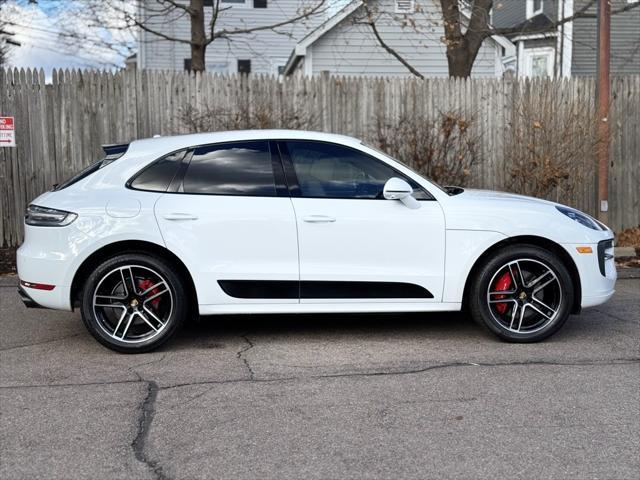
(147,412)
(413,371)
(241,355)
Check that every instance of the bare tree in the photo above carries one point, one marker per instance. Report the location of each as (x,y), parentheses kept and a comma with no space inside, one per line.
(6,42)
(153,14)
(467,25)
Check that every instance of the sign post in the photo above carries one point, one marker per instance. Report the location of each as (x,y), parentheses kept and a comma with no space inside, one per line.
(7,132)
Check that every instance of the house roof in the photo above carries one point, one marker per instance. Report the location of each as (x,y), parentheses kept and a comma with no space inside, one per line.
(300,49)
(538,24)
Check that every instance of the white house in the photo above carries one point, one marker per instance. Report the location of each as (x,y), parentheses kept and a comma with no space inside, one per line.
(264,51)
(335,41)
(569,49)
(413,28)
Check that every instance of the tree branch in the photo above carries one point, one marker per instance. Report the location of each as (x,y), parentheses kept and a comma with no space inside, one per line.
(372,23)
(239,31)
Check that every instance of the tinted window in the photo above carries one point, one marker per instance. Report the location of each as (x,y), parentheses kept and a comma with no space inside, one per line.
(239,168)
(334,171)
(159,174)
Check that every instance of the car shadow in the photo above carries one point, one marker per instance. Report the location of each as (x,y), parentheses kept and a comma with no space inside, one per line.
(352,324)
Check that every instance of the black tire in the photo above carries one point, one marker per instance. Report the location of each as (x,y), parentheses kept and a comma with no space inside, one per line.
(513,316)
(114,303)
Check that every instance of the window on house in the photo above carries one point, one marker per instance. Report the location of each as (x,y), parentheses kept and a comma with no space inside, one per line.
(405,6)
(538,62)
(244,67)
(236,2)
(534,7)
(187,64)
(259,3)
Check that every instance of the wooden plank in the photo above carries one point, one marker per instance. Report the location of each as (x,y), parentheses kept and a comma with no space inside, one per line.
(62,125)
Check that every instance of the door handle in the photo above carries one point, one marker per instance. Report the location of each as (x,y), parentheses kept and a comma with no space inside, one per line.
(318,219)
(179,216)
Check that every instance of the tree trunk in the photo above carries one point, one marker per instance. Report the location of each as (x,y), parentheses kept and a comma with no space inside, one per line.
(462,49)
(198,35)
(460,60)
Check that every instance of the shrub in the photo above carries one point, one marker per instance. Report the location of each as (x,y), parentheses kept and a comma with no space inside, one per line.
(443,149)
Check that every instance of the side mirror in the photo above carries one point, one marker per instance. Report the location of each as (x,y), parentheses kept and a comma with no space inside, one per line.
(398,189)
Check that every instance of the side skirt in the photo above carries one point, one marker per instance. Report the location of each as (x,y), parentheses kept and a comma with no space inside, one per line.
(336,307)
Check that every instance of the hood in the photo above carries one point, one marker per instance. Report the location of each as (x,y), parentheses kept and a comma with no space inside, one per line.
(476,194)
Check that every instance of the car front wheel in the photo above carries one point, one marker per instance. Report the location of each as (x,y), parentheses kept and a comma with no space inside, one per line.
(522,294)
(133,303)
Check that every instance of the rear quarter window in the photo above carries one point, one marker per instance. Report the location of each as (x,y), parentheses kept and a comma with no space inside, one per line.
(158,176)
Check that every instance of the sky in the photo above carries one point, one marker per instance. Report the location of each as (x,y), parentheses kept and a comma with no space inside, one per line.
(37,28)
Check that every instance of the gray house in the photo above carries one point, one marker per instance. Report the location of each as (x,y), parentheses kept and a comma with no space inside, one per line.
(264,51)
(345,45)
(543,49)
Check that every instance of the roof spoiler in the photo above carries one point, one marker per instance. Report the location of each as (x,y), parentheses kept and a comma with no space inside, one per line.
(115,150)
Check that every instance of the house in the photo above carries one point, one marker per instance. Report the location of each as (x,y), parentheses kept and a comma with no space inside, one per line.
(544,49)
(263,51)
(345,45)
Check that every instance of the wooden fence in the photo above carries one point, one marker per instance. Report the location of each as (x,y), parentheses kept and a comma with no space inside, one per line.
(61,124)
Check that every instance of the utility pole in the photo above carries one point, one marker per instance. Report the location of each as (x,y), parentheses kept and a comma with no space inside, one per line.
(603,93)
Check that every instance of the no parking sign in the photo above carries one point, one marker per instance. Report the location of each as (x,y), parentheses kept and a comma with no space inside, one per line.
(7,132)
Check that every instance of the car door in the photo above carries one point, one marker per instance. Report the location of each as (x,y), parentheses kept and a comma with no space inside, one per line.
(229,217)
(354,245)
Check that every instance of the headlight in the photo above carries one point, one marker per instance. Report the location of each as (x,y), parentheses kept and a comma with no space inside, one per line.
(48,217)
(581,218)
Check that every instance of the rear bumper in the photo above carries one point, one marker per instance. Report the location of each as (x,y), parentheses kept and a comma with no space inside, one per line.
(27,300)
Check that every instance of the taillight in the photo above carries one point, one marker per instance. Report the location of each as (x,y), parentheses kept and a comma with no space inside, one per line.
(37,286)
(48,217)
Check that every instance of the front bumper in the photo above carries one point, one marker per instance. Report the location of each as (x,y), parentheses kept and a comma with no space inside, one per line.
(597,271)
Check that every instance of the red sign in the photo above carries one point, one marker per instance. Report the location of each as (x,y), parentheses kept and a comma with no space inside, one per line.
(7,132)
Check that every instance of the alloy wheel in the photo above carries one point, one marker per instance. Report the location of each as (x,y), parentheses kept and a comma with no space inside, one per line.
(133,303)
(524,296)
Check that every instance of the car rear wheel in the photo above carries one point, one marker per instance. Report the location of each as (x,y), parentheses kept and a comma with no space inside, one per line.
(522,294)
(133,303)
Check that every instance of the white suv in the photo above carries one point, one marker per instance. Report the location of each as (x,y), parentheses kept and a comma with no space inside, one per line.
(276,221)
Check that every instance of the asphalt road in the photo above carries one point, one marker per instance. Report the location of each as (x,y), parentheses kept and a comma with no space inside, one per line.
(359,396)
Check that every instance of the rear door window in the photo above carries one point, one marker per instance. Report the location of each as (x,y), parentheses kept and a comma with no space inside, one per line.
(237,168)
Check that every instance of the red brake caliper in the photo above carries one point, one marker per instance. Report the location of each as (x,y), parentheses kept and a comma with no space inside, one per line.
(145,284)
(503,283)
